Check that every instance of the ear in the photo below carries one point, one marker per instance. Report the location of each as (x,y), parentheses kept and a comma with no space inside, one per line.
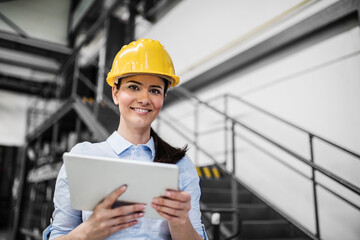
(114,94)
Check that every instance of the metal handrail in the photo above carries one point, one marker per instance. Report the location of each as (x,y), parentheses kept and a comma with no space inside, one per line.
(334,177)
(292,125)
(310,162)
(284,121)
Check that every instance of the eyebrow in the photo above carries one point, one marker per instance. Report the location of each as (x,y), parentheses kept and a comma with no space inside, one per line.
(155,86)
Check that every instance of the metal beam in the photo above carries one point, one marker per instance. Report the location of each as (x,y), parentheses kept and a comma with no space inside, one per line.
(35,46)
(29,65)
(13,26)
(44,89)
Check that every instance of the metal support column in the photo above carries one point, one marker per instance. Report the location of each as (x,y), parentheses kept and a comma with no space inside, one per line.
(19,192)
(75,77)
(316,206)
(234,188)
(101,72)
(226,144)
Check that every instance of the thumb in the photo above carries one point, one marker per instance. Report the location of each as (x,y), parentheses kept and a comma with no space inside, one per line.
(109,201)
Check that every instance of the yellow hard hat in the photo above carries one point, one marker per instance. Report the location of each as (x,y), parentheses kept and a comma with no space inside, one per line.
(144,56)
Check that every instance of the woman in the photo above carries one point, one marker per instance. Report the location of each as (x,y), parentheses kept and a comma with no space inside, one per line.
(140,76)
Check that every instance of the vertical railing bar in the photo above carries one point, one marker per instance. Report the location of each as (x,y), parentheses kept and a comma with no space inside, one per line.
(316,206)
(226,145)
(234,189)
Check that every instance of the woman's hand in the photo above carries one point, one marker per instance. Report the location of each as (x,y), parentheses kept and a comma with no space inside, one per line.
(174,207)
(106,220)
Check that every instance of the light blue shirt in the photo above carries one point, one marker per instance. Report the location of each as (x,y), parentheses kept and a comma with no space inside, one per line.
(65,218)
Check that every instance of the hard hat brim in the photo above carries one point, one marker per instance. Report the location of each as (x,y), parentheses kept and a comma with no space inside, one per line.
(173,79)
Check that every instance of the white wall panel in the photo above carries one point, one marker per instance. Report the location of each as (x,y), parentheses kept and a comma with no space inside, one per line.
(338,220)
(200,34)
(12,118)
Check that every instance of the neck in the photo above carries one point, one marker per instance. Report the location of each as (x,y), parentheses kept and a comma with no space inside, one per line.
(134,135)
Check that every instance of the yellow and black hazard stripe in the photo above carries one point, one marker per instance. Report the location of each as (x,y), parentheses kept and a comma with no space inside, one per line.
(208,172)
(87,100)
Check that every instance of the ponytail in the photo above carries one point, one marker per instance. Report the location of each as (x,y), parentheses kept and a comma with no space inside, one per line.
(166,153)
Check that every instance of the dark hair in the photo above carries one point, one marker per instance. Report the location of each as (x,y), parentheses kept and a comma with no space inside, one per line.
(166,153)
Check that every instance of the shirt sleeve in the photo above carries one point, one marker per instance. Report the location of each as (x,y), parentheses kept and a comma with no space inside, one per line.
(189,182)
(65,218)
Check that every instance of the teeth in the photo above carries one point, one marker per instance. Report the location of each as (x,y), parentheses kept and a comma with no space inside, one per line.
(141,110)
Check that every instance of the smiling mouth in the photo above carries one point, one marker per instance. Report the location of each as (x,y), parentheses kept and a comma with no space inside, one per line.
(141,110)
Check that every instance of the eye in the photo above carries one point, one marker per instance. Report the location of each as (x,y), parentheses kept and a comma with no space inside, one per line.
(155,91)
(133,87)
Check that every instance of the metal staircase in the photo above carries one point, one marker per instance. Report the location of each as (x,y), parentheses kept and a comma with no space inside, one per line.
(256,219)
(241,208)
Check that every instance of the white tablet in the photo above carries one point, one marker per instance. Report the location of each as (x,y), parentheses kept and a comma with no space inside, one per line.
(91,179)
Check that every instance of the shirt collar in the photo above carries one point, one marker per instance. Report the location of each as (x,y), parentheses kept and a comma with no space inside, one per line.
(120,144)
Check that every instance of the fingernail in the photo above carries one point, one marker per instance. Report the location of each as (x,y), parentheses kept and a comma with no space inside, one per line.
(155,201)
(140,214)
(167,194)
(124,187)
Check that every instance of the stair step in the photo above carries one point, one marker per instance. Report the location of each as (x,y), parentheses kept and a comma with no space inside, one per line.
(224,196)
(223,183)
(256,219)
(253,211)
(268,229)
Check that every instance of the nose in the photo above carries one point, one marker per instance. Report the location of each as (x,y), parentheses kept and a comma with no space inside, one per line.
(143,97)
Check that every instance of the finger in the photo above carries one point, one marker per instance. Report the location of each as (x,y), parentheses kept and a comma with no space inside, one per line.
(125,219)
(168,216)
(126,210)
(173,219)
(170,211)
(178,195)
(112,197)
(120,227)
(171,203)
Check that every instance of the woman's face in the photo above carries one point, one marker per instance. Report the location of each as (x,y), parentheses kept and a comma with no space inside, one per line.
(140,99)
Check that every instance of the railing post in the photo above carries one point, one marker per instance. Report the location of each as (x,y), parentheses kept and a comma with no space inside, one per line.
(215,221)
(313,178)
(226,145)
(234,188)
